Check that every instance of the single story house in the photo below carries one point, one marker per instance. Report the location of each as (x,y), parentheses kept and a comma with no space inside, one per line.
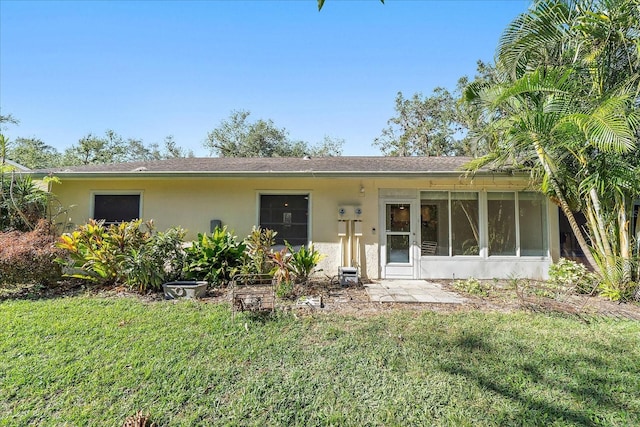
(391,217)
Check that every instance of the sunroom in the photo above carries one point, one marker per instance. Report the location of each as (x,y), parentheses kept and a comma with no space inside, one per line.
(459,234)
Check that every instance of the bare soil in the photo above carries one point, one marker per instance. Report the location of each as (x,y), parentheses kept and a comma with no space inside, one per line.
(354,301)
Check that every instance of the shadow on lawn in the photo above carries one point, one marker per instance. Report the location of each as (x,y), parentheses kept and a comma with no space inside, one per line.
(568,385)
(43,292)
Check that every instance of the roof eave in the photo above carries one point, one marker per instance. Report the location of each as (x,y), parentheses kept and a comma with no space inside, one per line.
(262,174)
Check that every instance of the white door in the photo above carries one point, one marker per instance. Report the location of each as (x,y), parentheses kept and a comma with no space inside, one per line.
(399,243)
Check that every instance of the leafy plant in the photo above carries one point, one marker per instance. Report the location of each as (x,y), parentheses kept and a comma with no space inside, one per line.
(304,261)
(472,286)
(570,274)
(282,273)
(215,258)
(97,253)
(614,282)
(158,260)
(22,202)
(28,257)
(258,249)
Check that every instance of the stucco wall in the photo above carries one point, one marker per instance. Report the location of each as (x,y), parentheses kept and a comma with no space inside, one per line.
(192,202)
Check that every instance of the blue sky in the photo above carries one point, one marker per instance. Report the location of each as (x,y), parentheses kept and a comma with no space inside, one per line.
(148,69)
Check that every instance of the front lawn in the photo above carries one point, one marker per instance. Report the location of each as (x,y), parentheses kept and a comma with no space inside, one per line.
(94,361)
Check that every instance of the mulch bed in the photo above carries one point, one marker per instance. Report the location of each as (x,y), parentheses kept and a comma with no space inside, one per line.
(353,300)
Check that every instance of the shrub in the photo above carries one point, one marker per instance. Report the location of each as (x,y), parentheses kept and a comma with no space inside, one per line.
(97,253)
(282,273)
(22,202)
(304,261)
(158,260)
(472,286)
(215,258)
(570,274)
(29,257)
(258,249)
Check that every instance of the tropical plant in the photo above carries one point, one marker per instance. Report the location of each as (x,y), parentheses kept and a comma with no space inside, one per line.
(159,259)
(215,258)
(22,202)
(97,253)
(566,109)
(282,274)
(304,261)
(258,249)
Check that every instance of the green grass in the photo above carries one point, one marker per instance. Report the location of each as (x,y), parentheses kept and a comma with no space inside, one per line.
(91,361)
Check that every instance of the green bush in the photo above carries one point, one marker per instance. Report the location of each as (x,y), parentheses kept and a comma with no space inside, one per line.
(472,286)
(29,257)
(566,274)
(282,273)
(158,260)
(258,249)
(22,202)
(304,261)
(98,253)
(215,258)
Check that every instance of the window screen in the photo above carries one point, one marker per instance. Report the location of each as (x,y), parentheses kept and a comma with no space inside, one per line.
(288,215)
(116,207)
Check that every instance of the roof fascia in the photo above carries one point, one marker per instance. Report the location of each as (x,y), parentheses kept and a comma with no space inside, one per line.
(275,174)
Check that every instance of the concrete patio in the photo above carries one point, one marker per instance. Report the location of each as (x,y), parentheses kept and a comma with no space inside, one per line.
(410,291)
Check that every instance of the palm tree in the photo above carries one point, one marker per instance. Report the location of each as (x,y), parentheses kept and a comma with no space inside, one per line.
(567,107)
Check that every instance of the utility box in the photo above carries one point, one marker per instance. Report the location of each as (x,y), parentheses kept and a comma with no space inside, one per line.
(348,276)
(215,223)
(342,228)
(357,228)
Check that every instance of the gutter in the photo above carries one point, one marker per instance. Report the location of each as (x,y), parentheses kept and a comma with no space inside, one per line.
(271,174)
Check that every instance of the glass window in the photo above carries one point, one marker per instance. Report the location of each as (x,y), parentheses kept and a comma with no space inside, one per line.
(533,224)
(434,220)
(114,208)
(398,217)
(398,248)
(288,215)
(501,211)
(465,237)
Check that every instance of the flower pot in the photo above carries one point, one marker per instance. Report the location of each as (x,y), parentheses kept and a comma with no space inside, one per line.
(187,289)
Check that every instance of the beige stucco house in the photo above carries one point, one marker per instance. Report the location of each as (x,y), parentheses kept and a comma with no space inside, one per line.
(410,218)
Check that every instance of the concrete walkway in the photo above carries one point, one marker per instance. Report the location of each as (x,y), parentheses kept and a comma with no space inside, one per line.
(410,291)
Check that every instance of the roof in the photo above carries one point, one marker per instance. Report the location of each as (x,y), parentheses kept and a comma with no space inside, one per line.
(16,165)
(261,166)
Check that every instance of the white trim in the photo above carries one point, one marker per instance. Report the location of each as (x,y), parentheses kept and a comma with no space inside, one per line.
(408,270)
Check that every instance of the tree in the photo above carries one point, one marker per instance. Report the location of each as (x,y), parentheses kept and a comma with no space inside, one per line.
(171,150)
(33,153)
(237,137)
(424,126)
(569,93)
(8,119)
(439,124)
(113,148)
(91,149)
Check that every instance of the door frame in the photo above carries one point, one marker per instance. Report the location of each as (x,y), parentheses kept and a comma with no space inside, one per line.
(410,270)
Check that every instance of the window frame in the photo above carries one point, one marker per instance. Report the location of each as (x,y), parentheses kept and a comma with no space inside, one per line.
(94,193)
(306,193)
(483,221)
